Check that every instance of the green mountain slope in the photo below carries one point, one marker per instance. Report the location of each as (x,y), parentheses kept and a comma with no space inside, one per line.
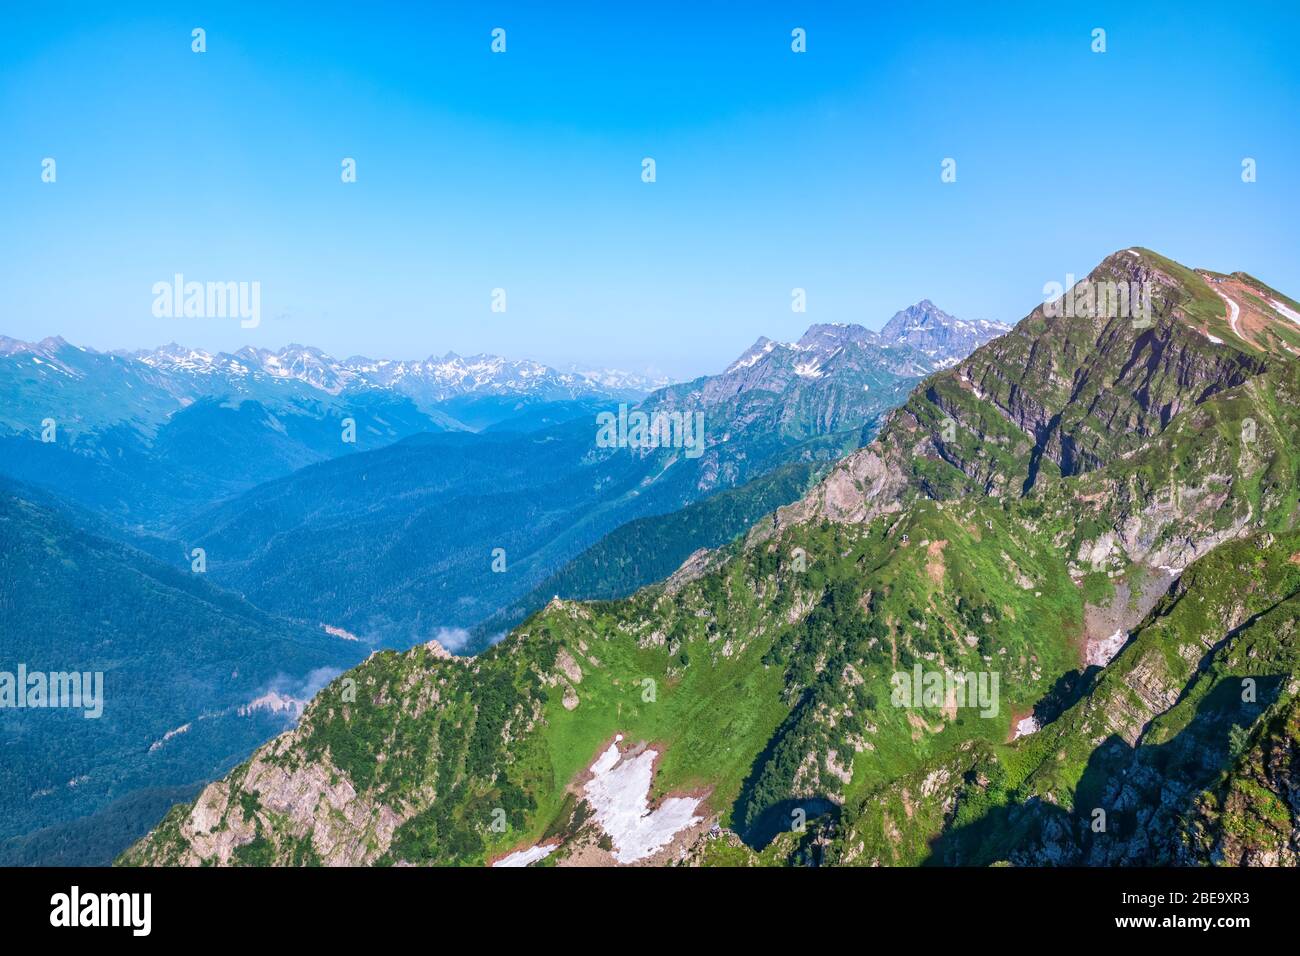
(1096,513)
(649,549)
(1248,817)
(1207,680)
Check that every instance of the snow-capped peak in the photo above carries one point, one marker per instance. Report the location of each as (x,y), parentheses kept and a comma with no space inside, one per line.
(434,378)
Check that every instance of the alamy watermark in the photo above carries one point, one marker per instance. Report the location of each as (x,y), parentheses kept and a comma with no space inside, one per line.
(645,430)
(72,689)
(939,689)
(179,299)
(1090,299)
(75,908)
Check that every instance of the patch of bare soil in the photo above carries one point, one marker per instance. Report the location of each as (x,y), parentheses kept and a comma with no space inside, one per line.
(1251,322)
(1124,611)
(1016,717)
(934,563)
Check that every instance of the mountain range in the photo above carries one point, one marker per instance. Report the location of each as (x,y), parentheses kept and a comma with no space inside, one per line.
(428,381)
(151,437)
(1046,615)
(315,549)
(397,545)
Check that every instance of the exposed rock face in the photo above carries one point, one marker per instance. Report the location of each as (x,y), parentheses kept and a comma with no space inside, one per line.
(1064,396)
(311,802)
(866,486)
(692,568)
(861,487)
(438,650)
(1252,818)
(1087,388)
(568,666)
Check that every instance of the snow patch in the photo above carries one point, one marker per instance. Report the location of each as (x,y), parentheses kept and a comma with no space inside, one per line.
(1026,726)
(618,792)
(524,857)
(1234,312)
(1103,652)
(747,361)
(1286,310)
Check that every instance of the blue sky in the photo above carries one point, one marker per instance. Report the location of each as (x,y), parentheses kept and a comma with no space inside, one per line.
(522,171)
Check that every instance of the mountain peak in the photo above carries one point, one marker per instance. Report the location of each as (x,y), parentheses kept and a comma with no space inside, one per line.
(943,337)
(48,345)
(762,346)
(924,313)
(924,338)
(826,336)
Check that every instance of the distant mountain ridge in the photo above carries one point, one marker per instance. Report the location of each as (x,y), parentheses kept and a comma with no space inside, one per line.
(82,387)
(147,436)
(427,380)
(916,341)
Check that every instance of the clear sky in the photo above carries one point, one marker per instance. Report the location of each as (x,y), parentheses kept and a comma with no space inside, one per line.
(522,170)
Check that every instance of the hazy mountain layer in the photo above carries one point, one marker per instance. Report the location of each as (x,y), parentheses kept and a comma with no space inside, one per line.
(178,660)
(442,533)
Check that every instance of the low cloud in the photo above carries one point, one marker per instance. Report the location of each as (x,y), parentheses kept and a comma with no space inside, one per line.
(452,638)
